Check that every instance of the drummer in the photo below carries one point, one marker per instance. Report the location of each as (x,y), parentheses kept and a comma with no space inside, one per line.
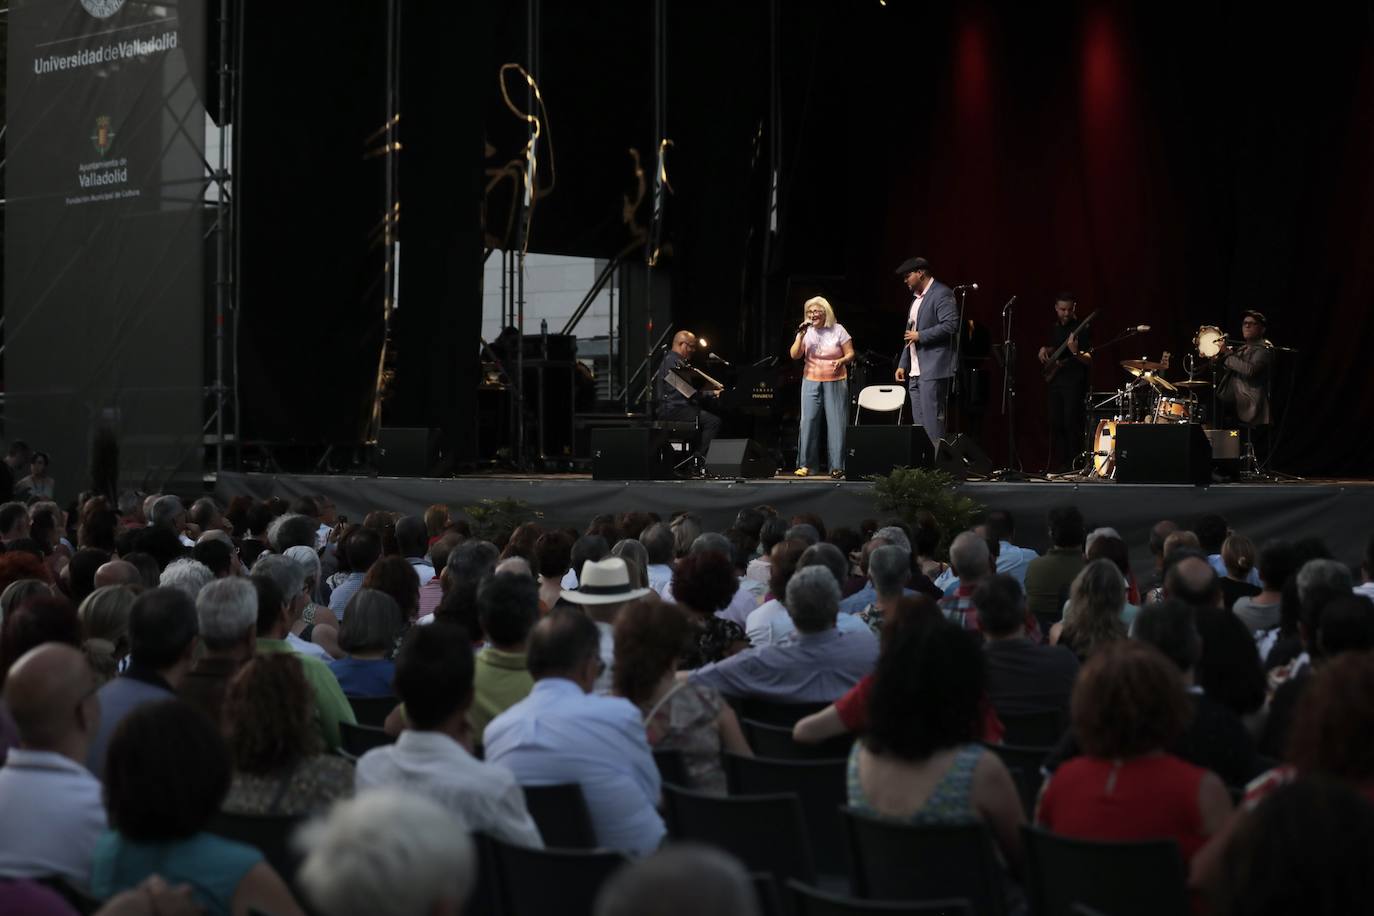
(1244,383)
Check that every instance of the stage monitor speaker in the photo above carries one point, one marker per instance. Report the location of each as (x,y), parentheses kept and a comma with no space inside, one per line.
(873,450)
(961,457)
(1162,453)
(407,451)
(1225,451)
(629,453)
(738,458)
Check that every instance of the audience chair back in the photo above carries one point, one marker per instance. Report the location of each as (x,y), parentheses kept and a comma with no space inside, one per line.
(372,710)
(820,785)
(766,891)
(1141,878)
(765,832)
(672,768)
(770,713)
(359,739)
(269,834)
(563,881)
(775,741)
(560,812)
(893,860)
(1024,764)
(1035,729)
(811,901)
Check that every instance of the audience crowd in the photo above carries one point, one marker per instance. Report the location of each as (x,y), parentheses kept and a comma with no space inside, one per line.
(168,672)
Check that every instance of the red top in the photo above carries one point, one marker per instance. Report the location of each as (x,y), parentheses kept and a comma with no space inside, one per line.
(853,710)
(1144,798)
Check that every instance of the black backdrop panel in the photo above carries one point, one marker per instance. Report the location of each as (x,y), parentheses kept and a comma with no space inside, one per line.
(103,238)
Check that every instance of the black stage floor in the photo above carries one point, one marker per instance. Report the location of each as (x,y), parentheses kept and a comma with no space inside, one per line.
(1340,511)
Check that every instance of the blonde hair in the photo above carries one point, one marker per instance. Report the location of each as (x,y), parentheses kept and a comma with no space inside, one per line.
(825,307)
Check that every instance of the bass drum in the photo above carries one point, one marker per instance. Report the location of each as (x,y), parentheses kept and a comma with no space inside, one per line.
(1208,340)
(1104,449)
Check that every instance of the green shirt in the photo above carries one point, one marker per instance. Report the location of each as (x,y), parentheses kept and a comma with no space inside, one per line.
(331,706)
(1048,579)
(500,680)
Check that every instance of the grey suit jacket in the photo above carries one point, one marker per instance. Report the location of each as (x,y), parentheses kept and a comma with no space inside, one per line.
(937,322)
(1246,382)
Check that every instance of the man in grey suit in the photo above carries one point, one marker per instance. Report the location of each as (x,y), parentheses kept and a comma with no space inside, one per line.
(928,360)
(1246,380)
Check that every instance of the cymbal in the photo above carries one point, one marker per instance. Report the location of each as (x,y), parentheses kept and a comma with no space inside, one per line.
(1193,383)
(1137,366)
(1159,381)
(1148,375)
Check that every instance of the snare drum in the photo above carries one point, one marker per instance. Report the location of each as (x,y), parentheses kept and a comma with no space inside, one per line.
(1208,340)
(1173,410)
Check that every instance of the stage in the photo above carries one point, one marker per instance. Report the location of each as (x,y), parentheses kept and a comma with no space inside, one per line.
(1337,510)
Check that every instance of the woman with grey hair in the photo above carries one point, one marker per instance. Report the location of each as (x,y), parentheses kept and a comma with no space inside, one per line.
(1093,617)
(636,561)
(317,622)
(372,621)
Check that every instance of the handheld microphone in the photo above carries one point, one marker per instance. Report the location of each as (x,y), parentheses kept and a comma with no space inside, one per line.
(972,286)
(1007,308)
(803,326)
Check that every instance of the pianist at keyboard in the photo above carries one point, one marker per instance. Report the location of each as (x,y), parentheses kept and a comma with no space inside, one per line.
(673,406)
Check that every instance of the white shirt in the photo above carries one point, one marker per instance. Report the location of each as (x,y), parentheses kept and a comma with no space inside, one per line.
(1365,589)
(558,734)
(53,815)
(660,577)
(741,605)
(605,684)
(307,648)
(911,320)
(423,569)
(569,580)
(771,625)
(485,795)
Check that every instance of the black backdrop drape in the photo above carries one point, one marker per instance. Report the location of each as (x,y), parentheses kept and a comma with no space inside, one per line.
(1173,164)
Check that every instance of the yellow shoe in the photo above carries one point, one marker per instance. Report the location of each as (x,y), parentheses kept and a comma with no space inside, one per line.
(802,472)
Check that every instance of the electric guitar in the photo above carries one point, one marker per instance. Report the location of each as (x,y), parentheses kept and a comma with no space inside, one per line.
(1055,362)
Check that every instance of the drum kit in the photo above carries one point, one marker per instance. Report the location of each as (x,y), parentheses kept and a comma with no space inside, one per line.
(1148,397)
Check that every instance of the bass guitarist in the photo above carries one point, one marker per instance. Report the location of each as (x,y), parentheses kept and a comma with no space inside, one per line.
(1066,360)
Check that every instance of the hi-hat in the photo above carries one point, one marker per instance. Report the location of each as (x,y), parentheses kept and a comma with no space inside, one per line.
(1193,383)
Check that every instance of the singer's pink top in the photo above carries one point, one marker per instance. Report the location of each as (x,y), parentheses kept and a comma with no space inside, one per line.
(822,347)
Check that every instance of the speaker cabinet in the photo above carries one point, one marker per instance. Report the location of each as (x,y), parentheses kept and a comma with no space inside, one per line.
(1162,453)
(1225,451)
(873,450)
(739,458)
(961,457)
(629,453)
(406,451)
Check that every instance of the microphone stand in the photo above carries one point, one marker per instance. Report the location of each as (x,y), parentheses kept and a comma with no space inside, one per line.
(1012,471)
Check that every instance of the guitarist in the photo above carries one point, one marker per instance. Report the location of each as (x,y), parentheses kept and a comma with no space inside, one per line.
(1068,381)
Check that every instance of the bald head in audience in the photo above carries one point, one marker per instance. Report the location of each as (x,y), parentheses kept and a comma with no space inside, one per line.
(50,693)
(1192,580)
(118,572)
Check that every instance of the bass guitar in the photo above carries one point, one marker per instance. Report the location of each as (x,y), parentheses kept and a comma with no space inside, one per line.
(1056,361)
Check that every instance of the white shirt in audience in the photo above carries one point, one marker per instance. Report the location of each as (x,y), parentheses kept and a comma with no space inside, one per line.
(558,734)
(307,648)
(51,815)
(485,795)
(660,577)
(771,625)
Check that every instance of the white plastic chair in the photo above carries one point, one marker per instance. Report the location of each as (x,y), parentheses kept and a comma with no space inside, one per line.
(881,399)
